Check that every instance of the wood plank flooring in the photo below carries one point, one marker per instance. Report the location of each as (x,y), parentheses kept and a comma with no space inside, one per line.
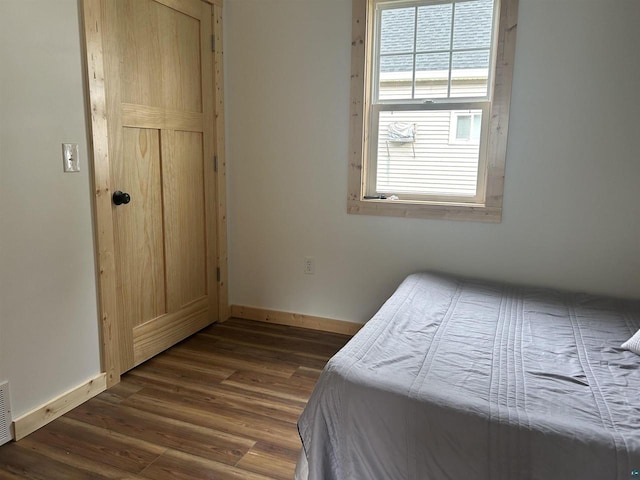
(221,405)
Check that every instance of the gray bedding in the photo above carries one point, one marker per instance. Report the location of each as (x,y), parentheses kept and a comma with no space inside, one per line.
(461,379)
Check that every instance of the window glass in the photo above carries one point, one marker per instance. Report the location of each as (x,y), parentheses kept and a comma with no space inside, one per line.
(427,163)
(397,27)
(463,129)
(473,23)
(396,77)
(434,28)
(470,74)
(430,62)
(476,127)
(466,127)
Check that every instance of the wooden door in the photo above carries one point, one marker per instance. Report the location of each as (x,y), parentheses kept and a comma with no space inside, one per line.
(158,84)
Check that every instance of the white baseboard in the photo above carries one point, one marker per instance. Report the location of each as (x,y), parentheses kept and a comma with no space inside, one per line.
(39,417)
(295,320)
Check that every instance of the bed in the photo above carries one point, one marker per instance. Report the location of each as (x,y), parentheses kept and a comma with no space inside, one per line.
(464,379)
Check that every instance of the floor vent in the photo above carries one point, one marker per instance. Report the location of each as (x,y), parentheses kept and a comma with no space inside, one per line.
(5,414)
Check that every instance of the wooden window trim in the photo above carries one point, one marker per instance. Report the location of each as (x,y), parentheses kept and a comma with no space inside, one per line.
(488,211)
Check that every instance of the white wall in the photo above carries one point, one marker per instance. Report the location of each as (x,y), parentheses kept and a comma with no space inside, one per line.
(571,218)
(48,310)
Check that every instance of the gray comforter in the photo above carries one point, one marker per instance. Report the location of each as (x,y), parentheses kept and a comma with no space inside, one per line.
(459,379)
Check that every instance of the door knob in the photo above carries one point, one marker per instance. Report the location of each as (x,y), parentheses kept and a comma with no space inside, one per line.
(121,197)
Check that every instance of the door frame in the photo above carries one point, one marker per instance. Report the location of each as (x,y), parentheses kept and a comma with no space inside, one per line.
(102,209)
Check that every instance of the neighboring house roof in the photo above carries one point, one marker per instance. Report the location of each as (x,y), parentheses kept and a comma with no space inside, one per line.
(472,30)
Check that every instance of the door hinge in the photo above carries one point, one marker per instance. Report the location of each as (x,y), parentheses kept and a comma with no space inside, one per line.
(213,43)
(215,163)
(218,274)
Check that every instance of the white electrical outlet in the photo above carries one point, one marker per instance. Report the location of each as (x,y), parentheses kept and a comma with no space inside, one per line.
(309,265)
(70,160)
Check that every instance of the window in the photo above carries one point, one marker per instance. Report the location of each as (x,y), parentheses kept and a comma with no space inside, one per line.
(465,127)
(431,83)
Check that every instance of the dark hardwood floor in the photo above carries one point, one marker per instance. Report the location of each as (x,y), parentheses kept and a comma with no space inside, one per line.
(221,405)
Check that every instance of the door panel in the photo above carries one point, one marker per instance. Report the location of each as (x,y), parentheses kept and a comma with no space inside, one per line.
(160,55)
(139,245)
(158,83)
(183,187)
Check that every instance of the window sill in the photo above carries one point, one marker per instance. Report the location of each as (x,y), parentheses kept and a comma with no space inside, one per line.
(436,210)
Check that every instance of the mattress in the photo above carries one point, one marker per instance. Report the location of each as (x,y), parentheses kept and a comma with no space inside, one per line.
(463,379)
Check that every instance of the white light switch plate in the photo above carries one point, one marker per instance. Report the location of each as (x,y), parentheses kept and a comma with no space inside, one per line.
(70,157)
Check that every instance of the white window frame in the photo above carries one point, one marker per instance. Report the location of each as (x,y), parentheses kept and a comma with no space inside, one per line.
(487,204)
(453,128)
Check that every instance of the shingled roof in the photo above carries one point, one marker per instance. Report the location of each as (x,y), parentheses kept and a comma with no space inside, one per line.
(472,30)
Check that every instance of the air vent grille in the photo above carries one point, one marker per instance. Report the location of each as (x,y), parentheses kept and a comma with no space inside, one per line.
(5,414)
